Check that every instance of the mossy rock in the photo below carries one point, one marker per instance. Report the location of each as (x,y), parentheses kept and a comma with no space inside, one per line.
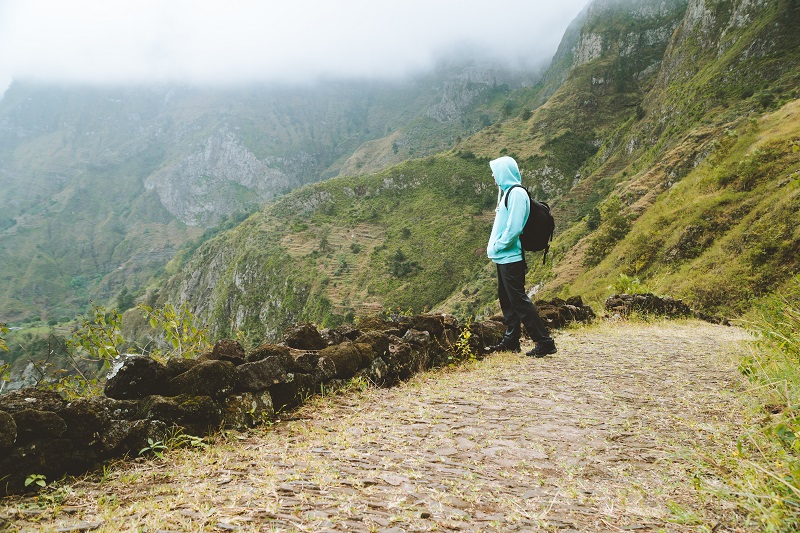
(247,410)
(135,376)
(196,414)
(8,430)
(378,342)
(33,424)
(347,358)
(32,398)
(259,375)
(294,392)
(228,350)
(178,365)
(207,378)
(304,337)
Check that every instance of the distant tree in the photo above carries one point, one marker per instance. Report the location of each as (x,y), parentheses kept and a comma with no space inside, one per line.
(614,225)
(400,266)
(125,300)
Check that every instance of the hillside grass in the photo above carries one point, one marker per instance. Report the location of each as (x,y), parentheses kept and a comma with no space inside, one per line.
(722,237)
(405,238)
(762,467)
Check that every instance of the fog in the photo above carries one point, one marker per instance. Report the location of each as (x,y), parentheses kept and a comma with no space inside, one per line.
(236,41)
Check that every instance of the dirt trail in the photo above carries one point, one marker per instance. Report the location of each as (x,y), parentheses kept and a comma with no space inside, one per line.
(598,437)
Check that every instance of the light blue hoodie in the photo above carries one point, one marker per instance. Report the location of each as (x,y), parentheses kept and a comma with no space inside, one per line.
(504,246)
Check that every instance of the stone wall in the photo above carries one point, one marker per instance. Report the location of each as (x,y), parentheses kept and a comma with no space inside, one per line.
(43,433)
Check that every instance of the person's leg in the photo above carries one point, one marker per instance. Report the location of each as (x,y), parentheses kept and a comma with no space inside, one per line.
(510,317)
(522,307)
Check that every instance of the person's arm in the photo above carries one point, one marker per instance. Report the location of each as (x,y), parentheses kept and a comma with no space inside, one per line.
(517,212)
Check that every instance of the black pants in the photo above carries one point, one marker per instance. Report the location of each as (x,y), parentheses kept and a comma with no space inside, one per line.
(517,307)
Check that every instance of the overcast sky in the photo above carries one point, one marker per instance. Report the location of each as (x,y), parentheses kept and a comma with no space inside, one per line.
(230,41)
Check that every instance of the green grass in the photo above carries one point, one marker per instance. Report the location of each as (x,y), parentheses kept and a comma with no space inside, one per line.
(764,464)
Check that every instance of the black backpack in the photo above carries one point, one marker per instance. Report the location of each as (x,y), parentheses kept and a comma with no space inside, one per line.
(539,228)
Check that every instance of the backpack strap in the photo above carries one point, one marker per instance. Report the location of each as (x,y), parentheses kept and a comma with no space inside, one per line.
(509,190)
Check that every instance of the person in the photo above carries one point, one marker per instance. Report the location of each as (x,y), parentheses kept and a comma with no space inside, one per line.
(505,250)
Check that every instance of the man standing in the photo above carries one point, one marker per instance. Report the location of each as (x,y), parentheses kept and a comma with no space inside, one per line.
(505,251)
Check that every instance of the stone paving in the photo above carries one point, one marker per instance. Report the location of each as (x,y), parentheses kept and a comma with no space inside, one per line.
(602,436)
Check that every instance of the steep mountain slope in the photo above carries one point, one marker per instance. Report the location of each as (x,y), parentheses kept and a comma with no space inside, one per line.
(404,237)
(656,93)
(100,187)
(709,121)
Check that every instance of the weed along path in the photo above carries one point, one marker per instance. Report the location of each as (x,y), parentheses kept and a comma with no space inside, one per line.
(603,436)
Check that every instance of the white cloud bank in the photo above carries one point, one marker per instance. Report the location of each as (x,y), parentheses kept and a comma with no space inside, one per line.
(235,41)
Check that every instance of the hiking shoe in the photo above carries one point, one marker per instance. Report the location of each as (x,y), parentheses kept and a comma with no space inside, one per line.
(543,348)
(502,348)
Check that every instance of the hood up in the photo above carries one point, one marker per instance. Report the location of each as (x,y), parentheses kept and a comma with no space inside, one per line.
(505,171)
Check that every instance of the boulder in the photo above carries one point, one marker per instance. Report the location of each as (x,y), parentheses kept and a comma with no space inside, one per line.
(433,324)
(126,436)
(51,458)
(247,410)
(418,338)
(31,398)
(339,334)
(196,414)
(135,376)
(259,375)
(295,391)
(85,417)
(207,378)
(325,369)
(374,323)
(647,303)
(33,425)
(270,350)
(304,337)
(485,333)
(8,431)
(346,358)
(177,365)
(378,373)
(303,361)
(377,341)
(228,350)
(400,360)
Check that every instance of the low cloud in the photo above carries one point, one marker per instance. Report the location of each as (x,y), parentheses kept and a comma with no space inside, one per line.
(237,41)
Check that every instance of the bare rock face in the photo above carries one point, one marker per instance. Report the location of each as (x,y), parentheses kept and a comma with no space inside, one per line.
(135,376)
(304,337)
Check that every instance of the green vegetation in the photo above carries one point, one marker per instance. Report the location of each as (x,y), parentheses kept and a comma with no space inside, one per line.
(764,476)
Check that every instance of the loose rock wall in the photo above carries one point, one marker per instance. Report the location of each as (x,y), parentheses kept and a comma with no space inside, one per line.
(144,400)
(649,304)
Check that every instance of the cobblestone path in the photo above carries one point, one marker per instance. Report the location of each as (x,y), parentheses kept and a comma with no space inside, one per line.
(602,436)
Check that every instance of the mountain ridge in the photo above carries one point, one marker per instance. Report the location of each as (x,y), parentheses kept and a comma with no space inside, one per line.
(619,129)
